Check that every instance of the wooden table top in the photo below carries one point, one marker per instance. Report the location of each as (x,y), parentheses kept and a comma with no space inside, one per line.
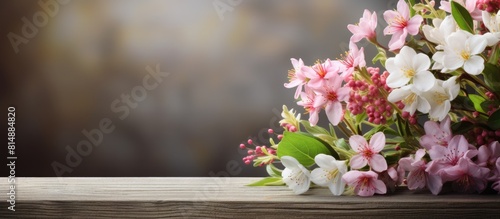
(223,197)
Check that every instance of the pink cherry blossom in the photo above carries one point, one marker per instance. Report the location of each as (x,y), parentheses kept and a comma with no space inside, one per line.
(355,58)
(488,156)
(436,134)
(418,178)
(320,72)
(368,153)
(364,183)
(391,178)
(307,100)
(470,5)
(330,96)
(466,176)
(496,184)
(365,28)
(296,77)
(446,157)
(400,25)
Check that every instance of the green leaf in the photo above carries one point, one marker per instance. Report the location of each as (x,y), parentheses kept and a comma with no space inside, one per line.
(462,102)
(390,131)
(477,101)
(372,131)
(381,56)
(392,157)
(411,4)
(419,7)
(462,17)
(461,127)
(268,181)
(332,131)
(494,120)
(273,171)
(491,77)
(313,129)
(302,147)
(342,144)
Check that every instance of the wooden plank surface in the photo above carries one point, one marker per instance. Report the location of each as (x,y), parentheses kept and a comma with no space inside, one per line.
(225,198)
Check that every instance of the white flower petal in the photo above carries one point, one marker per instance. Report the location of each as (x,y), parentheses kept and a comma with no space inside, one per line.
(320,177)
(399,94)
(423,105)
(474,65)
(421,62)
(452,87)
(477,44)
(325,161)
(424,81)
(338,186)
(452,61)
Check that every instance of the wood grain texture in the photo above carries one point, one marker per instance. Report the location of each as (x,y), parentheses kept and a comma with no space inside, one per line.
(224,198)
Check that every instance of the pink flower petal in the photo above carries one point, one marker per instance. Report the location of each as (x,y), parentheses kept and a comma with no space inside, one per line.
(377,142)
(357,161)
(380,187)
(414,24)
(358,143)
(378,163)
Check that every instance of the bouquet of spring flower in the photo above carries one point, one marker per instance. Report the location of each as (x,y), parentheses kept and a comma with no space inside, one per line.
(429,119)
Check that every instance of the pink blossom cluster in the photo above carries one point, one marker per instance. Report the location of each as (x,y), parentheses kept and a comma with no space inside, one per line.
(367,183)
(323,88)
(366,97)
(451,159)
(255,151)
(490,6)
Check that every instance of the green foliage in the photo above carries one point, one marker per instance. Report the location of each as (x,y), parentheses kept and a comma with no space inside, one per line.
(380,57)
(303,147)
(477,101)
(491,77)
(494,120)
(268,181)
(462,17)
(461,127)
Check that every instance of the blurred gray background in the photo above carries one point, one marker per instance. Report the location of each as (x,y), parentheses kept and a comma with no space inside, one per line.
(226,78)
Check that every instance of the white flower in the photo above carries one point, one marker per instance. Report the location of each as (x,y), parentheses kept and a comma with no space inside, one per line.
(411,98)
(438,58)
(408,66)
(295,175)
(492,22)
(440,96)
(329,173)
(462,50)
(441,29)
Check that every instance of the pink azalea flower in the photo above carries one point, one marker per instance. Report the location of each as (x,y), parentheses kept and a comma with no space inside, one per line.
(400,25)
(488,156)
(365,28)
(355,58)
(307,100)
(391,178)
(436,134)
(296,77)
(321,72)
(496,184)
(446,157)
(466,176)
(364,183)
(418,178)
(368,153)
(329,96)
(470,5)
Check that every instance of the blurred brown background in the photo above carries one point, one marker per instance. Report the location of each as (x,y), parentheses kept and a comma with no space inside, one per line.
(226,77)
